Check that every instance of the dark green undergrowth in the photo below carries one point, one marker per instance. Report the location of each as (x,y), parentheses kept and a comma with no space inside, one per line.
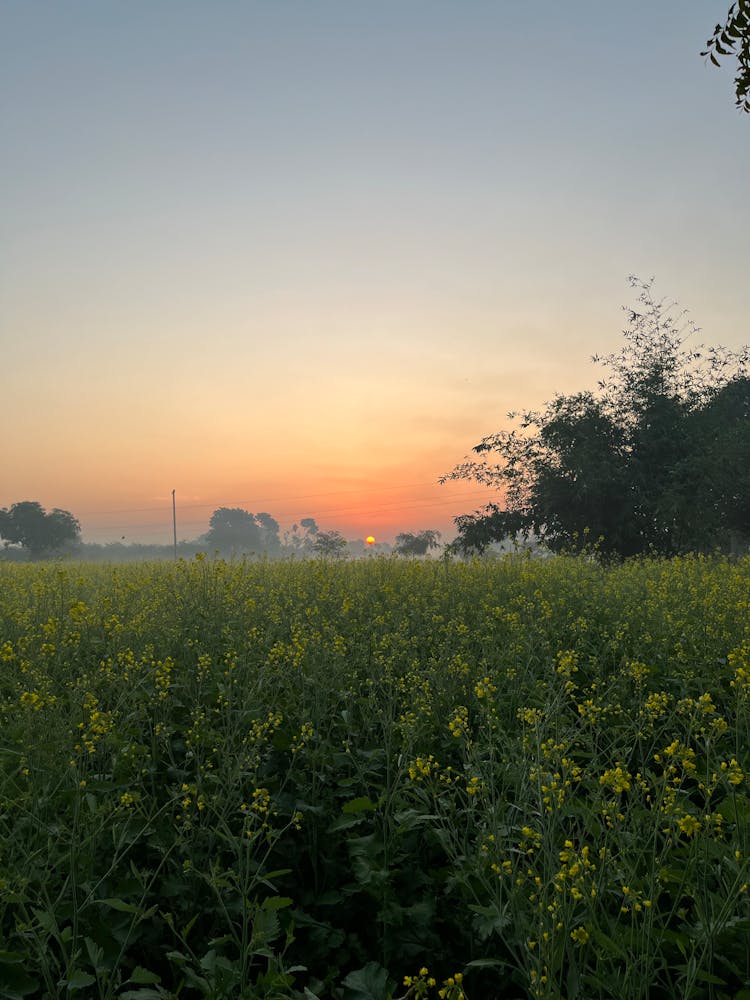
(375,779)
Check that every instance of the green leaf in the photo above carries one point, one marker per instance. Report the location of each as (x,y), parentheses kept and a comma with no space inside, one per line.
(608,944)
(265,929)
(80,980)
(141,975)
(671,875)
(119,904)
(346,782)
(219,942)
(573,982)
(485,963)
(367,983)
(676,937)
(408,819)
(362,804)
(16,984)
(11,957)
(144,994)
(46,920)
(702,975)
(346,822)
(277,903)
(735,809)
(489,920)
(95,953)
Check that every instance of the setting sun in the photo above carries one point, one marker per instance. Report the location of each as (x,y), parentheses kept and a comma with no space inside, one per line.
(370,540)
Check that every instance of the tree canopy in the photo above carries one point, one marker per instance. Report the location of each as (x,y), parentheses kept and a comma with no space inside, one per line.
(330,544)
(733,39)
(302,541)
(269,532)
(416,543)
(233,530)
(657,459)
(40,532)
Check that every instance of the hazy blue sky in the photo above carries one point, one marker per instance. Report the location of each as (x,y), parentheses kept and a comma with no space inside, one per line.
(300,256)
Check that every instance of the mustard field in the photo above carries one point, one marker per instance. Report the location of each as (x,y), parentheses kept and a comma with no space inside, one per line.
(375,779)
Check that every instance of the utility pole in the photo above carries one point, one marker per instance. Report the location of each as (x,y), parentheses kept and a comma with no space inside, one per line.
(174,523)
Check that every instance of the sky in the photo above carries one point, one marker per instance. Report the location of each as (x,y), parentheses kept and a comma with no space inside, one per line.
(300,257)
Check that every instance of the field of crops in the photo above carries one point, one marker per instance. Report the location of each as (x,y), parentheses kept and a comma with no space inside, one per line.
(375,779)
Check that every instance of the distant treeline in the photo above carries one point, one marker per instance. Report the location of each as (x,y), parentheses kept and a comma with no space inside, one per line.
(28,531)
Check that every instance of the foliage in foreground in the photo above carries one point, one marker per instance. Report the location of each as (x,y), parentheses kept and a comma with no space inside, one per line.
(732,38)
(374,779)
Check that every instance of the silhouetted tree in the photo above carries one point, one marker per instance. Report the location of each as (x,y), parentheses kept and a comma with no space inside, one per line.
(269,532)
(40,533)
(329,543)
(302,542)
(717,495)
(419,544)
(233,530)
(733,39)
(657,460)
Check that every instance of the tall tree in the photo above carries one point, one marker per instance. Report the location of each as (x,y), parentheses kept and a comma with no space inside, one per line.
(416,544)
(269,532)
(330,544)
(40,532)
(298,542)
(233,530)
(656,460)
(719,494)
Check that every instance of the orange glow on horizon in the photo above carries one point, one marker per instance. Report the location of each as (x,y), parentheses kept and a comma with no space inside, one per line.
(374,511)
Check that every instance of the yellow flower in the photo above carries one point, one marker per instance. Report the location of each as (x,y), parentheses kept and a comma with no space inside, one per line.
(459,723)
(734,773)
(531,716)
(484,688)
(689,825)
(580,935)
(616,778)
(474,785)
